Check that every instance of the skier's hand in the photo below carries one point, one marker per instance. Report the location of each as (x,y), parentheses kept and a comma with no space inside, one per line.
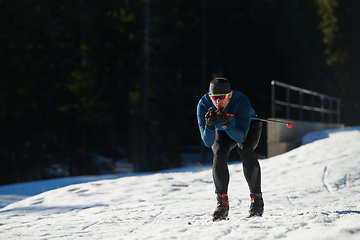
(222,118)
(210,119)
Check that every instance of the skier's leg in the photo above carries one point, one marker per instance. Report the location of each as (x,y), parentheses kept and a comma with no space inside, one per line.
(221,148)
(251,166)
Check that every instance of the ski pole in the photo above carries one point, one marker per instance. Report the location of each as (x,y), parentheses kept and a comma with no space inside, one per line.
(288,124)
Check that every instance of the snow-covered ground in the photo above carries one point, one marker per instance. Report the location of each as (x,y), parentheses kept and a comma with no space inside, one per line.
(312,192)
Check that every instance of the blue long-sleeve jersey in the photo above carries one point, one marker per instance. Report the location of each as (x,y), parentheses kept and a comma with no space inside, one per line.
(240,113)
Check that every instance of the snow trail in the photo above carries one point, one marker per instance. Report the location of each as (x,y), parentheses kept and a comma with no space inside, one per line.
(312,192)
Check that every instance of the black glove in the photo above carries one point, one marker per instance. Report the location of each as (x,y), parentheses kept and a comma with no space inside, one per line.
(222,118)
(210,119)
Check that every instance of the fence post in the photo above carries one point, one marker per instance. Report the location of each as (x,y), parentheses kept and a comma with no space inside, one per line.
(322,108)
(287,103)
(301,103)
(331,109)
(312,111)
(273,99)
(338,111)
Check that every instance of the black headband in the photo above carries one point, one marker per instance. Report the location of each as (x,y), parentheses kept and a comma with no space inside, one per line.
(219,88)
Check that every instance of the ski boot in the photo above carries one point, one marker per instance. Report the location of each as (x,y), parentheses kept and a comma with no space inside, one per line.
(257,205)
(222,209)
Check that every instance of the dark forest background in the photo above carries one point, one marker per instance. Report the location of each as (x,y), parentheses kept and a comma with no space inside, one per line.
(121,79)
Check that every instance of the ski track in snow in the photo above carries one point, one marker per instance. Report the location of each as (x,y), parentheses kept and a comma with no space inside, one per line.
(312,192)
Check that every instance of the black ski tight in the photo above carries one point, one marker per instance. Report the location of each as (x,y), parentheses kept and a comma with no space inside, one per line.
(221,149)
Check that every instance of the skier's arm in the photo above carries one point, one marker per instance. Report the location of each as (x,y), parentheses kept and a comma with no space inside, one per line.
(207,135)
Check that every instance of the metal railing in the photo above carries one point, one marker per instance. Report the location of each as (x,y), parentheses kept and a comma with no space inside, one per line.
(312,108)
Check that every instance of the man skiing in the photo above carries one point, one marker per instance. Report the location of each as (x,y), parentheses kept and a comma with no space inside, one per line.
(224,119)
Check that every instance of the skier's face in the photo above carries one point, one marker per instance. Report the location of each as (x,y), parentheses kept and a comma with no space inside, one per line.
(221,101)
